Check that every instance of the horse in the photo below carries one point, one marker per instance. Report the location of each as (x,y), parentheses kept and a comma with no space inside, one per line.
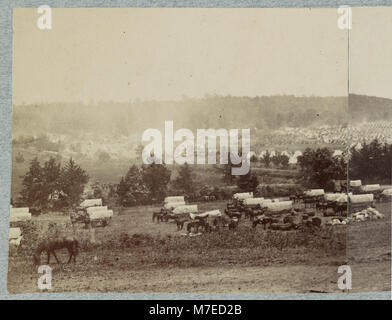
(51,245)
(180,222)
(263,221)
(233,224)
(196,225)
(157,216)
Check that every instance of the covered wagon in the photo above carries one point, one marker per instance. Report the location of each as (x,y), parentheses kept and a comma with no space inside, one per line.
(360,201)
(99,215)
(278,207)
(173,205)
(15,236)
(19,214)
(386,195)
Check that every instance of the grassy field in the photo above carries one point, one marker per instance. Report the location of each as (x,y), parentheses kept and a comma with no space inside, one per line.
(133,254)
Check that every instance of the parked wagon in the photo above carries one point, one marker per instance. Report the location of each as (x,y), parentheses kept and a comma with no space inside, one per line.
(19,215)
(386,195)
(91,213)
(15,236)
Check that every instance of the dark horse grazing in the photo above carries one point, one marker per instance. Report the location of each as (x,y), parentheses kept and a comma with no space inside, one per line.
(51,245)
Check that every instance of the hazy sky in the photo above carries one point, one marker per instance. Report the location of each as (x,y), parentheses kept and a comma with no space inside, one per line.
(371,51)
(124,54)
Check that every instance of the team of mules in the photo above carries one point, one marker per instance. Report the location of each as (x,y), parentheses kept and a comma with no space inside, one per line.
(257,214)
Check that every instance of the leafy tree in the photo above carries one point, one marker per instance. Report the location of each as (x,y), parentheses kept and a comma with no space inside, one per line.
(185,180)
(132,190)
(284,160)
(318,167)
(248,182)
(122,189)
(275,160)
(156,177)
(72,181)
(51,172)
(267,159)
(372,162)
(32,193)
(97,191)
(226,170)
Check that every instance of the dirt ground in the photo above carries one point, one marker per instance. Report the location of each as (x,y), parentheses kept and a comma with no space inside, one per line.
(368,252)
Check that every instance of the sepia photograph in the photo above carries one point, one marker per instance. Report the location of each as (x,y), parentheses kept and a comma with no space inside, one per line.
(201,150)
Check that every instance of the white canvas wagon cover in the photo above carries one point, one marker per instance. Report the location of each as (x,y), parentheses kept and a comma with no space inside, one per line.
(361,198)
(15,233)
(355,183)
(253,201)
(91,203)
(387,192)
(279,206)
(173,205)
(314,192)
(212,213)
(95,209)
(19,214)
(186,209)
(243,195)
(371,187)
(101,214)
(334,196)
(174,199)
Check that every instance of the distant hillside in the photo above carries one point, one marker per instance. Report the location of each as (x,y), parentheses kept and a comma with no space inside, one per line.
(103,137)
(211,111)
(369,108)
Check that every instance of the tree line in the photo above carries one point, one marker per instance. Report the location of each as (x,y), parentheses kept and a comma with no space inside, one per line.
(50,186)
(372,163)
